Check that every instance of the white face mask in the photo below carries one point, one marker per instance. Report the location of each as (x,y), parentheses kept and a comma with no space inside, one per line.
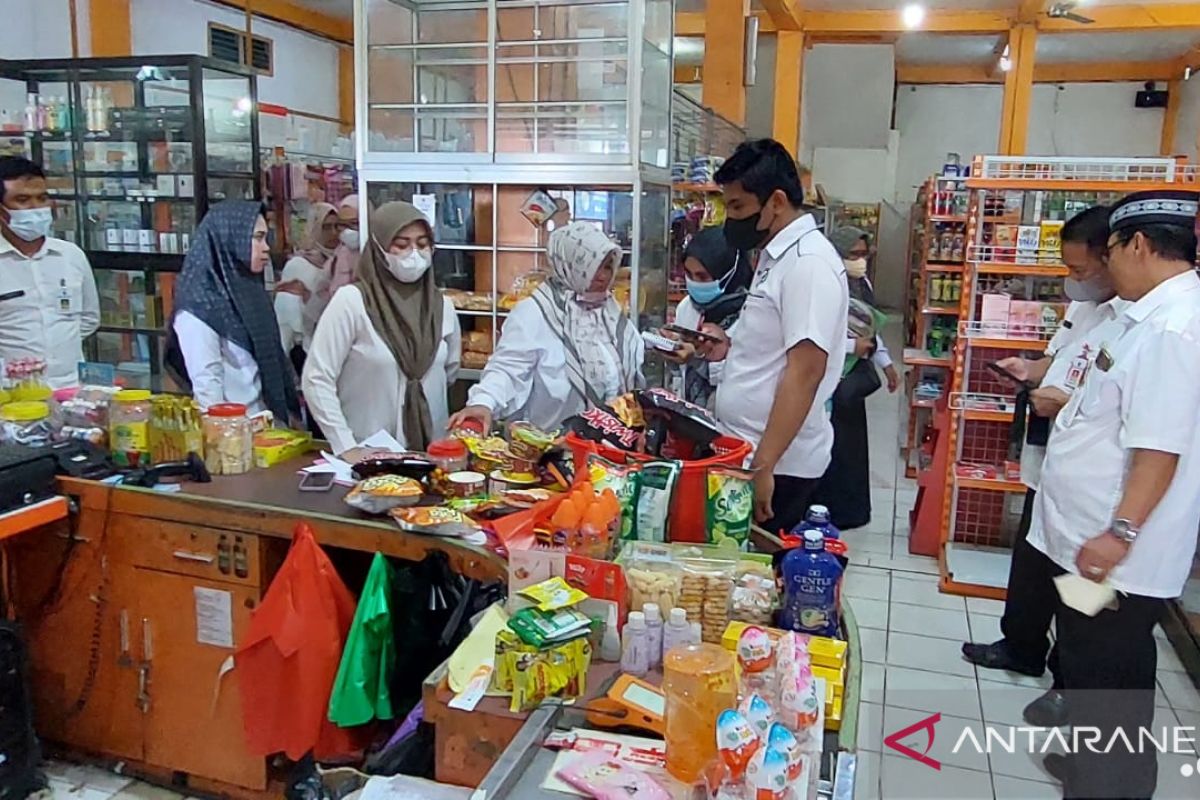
(30,224)
(855,267)
(409,267)
(349,237)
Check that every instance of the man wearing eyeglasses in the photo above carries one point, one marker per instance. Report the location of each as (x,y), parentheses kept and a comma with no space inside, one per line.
(1119,499)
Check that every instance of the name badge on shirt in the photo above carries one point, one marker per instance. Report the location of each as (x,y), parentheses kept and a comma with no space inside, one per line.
(64,299)
(1079,369)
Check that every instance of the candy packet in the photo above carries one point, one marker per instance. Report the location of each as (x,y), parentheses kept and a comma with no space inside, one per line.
(437,520)
(729,505)
(656,490)
(596,425)
(546,628)
(553,594)
(382,493)
(603,777)
(622,481)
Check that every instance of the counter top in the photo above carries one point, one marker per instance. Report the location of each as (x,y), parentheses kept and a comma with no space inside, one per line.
(268,502)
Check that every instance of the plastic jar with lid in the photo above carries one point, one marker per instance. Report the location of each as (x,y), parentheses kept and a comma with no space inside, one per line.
(228,439)
(129,428)
(26,422)
(451,456)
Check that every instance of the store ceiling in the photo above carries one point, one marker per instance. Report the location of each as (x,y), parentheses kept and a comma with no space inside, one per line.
(334,8)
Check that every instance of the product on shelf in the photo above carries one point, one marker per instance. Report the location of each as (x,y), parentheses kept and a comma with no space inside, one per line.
(228,440)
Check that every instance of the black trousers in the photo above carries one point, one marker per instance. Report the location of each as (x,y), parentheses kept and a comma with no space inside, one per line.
(791,500)
(1108,663)
(845,489)
(1032,599)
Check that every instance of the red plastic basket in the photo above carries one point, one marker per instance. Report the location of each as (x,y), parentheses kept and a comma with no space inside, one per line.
(689,522)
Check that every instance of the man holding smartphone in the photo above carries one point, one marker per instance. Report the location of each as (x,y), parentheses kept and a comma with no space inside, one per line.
(786,356)
(1094,310)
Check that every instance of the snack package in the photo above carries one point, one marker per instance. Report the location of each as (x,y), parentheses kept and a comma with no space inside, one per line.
(553,594)
(623,482)
(736,742)
(627,409)
(653,586)
(730,505)
(545,628)
(382,493)
(596,425)
(684,419)
(531,674)
(656,490)
(767,774)
(704,594)
(597,774)
(783,740)
(755,594)
(538,207)
(529,442)
(436,520)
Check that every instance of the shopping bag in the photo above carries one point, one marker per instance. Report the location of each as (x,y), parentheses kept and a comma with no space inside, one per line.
(361,690)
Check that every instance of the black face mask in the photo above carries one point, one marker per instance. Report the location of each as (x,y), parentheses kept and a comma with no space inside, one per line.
(744,234)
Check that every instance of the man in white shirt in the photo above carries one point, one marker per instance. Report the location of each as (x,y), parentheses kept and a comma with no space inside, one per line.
(1119,499)
(48,300)
(1032,598)
(786,356)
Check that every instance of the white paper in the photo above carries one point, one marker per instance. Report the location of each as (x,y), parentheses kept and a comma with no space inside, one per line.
(343,470)
(1086,597)
(427,205)
(214,617)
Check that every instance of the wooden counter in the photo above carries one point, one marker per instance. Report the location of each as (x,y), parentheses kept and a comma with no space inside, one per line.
(111,597)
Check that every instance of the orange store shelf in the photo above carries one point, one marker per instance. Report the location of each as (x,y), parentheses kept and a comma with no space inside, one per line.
(990,485)
(1013,268)
(1037,345)
(18,521)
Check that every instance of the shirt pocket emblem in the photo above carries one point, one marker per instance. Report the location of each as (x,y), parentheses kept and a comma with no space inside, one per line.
(1105,360)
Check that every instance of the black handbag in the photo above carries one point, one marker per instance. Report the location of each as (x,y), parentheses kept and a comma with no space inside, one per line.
(859,383)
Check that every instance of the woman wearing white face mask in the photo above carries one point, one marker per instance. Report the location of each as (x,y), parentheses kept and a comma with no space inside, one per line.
(567,347)
(387,347)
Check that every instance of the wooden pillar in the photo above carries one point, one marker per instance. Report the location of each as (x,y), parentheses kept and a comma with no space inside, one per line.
(789,87)
(724,58)
(1170,123)
(346,86)
(112,31)
(1018,90)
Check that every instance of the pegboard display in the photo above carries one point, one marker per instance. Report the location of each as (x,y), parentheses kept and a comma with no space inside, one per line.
(986,518)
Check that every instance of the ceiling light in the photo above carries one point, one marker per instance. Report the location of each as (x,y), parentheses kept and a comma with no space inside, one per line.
(1006,60)
(913,15)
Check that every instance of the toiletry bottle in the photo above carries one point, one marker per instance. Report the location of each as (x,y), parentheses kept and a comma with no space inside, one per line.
(677,631)
(812,580)
(654,633)
(610,645)
(695,633)
(635,653)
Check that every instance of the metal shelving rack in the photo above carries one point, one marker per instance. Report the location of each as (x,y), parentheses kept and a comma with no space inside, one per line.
(131,180)
(472,106)
(981,507)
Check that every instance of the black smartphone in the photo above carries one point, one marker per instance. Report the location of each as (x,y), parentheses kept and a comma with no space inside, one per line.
(691,336)
(1003,373)
(317,481)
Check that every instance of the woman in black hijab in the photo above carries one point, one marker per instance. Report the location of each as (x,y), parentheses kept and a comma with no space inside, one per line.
(224,344)
(718,280)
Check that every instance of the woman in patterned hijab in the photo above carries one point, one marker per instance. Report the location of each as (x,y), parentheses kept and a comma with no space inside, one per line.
(224,343)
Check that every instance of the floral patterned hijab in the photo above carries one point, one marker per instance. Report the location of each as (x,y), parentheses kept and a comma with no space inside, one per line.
(595,337)
(311,248)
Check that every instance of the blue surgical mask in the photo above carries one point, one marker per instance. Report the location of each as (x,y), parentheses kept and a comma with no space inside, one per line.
(703,292)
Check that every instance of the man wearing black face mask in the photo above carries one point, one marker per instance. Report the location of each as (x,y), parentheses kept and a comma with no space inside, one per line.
(785,359)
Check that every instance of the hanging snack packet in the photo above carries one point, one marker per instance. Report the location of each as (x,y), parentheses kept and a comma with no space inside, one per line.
(622,481)
(553,594)
(656,490)
(600,426)
(730,505)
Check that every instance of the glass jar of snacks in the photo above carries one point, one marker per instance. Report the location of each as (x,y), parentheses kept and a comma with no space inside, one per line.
(175,428)
(26,422)
(129,428)
(228,440)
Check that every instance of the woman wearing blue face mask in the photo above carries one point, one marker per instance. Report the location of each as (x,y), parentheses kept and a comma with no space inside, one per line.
(718,280)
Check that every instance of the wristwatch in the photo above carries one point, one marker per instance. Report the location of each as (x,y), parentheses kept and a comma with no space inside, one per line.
(1124,530)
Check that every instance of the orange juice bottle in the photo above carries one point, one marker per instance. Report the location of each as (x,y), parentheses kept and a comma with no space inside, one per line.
(565,523)
(699,684)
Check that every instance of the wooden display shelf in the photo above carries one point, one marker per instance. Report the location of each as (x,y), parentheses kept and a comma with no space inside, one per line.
(21,520)
(700,188)
(945,310)
(1013,268)
(954,269)
(920,358)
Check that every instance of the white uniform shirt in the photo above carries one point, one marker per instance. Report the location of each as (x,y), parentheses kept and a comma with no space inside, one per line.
(48,305)
(799,293)
(298,317)
(352,383)
(526,378)
(1146,399)
(1084,329)
(221,371)
(688,316)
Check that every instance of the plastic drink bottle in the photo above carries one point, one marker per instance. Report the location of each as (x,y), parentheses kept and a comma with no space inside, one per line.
(654,633)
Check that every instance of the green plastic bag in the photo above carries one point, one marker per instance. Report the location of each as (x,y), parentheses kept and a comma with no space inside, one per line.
(360,691)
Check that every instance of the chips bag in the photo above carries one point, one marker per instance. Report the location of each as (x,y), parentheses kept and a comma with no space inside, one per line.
(656,490)
(596,425)
(730,505)
(382,493)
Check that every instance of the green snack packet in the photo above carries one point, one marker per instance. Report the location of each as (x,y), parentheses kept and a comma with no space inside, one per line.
(623,481)
(656,489)
(548,628)
(730,505)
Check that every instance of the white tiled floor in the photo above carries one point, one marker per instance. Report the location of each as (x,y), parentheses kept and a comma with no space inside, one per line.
(911,636)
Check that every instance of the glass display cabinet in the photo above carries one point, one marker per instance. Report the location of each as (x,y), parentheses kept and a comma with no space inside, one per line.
(473,107)
(135,151)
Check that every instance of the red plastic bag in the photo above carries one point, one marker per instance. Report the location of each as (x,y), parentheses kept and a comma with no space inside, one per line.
(289,659)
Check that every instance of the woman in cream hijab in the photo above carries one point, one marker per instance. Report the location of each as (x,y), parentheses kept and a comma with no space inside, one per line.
(302,291)
(387,348)
(567,347)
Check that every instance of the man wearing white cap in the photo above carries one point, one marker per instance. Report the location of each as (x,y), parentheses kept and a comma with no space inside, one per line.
(1119,501)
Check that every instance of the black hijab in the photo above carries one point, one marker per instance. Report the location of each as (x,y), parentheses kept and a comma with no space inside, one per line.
(727,266)
(218,288)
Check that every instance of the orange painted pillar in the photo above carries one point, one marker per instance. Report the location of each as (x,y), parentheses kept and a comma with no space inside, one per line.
(1018,90)
(723,88)
(789,87)
(112,31)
